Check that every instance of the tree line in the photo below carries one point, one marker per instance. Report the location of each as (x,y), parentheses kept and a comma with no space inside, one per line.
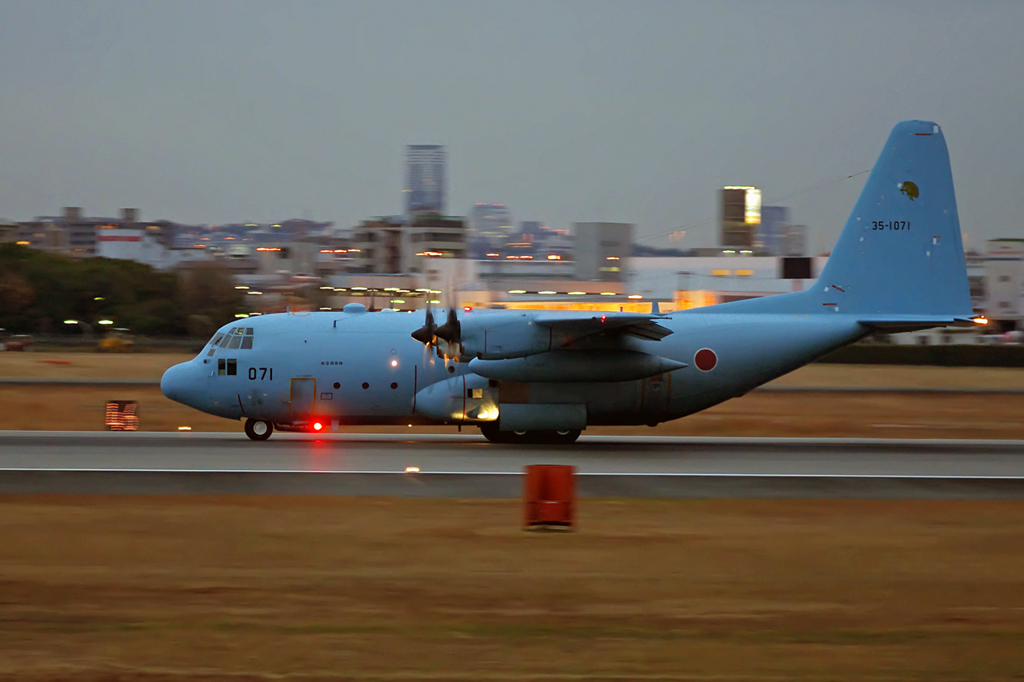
(39,290)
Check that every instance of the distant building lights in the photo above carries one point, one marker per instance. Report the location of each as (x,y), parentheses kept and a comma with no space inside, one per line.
(554,257)
(398,300)
(746,251)
(105,322)
(546,293)
(634,297)
(612,258)
(268,248)
(70,321)
(607,293)
(23,243)
(327,287)
(358,288)
(434,301)
(490,255)
(355,250)
(241,315)
(577,293)
(254,293)
(517,291)
(728,251)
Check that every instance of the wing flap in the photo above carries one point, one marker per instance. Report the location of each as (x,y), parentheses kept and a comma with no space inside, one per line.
(633,324)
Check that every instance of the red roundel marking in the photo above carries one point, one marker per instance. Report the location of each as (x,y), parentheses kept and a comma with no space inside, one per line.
(705,359)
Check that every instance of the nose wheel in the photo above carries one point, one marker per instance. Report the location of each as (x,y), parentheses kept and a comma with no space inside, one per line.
(257,429)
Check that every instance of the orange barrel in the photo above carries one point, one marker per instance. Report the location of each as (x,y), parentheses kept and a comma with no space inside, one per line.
(549,495)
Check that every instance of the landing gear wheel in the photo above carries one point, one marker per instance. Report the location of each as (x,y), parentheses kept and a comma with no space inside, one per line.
(257,429)
(565,437)
(491,433)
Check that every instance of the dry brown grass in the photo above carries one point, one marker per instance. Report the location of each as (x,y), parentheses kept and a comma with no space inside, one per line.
(757,414)
(165,588)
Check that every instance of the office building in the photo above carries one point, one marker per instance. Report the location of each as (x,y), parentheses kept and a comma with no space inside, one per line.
(602,250)
(740,216)
(424,179)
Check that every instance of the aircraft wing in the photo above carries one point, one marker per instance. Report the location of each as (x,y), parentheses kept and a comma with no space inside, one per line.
(633,324)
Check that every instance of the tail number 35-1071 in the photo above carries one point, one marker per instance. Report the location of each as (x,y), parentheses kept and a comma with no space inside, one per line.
(890,224)
(261,373)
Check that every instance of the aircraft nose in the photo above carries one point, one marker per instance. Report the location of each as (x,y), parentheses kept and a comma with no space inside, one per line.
(175,382)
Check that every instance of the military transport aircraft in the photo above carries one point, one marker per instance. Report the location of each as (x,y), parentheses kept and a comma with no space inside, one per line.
(535,376)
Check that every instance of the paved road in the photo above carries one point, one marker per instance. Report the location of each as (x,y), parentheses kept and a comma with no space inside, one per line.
(469,466)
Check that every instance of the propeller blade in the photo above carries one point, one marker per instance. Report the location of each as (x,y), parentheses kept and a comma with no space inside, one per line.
(428,331)
(451,330)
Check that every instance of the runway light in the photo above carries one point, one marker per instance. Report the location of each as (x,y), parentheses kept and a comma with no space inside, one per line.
(317,426)
(412,470)
(184,428)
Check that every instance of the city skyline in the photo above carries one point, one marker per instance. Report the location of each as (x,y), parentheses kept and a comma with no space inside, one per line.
(577,111)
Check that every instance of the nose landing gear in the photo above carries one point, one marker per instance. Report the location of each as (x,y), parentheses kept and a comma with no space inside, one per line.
(257,429)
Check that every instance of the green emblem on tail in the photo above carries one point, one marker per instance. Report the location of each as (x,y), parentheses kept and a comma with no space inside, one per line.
(910,189)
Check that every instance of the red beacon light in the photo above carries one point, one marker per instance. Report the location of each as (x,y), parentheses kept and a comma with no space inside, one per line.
(467,308)
(317,426)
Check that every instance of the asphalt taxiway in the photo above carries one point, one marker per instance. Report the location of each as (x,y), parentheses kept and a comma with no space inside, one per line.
(468,466)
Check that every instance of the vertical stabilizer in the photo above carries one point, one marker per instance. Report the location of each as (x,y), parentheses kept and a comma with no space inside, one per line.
(901,253)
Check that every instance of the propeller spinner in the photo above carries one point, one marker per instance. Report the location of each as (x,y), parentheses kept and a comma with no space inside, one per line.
(428,331)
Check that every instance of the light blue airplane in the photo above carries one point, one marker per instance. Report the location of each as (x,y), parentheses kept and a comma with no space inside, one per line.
(536,376)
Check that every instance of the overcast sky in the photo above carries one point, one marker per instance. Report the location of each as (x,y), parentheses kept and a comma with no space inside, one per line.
(215,111)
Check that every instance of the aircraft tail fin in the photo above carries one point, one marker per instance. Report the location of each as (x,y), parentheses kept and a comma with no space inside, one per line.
(900,255)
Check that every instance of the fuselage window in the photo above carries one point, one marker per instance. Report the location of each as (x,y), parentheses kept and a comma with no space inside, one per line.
(220,367)
(232,368)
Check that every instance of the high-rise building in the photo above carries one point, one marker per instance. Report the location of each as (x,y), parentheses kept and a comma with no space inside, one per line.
(741,216)
(425,179)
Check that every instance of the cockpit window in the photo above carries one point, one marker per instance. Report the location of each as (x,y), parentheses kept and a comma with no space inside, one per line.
(216,339)
(237,337)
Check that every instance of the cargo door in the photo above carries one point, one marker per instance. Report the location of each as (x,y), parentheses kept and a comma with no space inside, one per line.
(303,398)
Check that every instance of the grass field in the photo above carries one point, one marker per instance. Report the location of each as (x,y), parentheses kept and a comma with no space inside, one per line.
(756,414)
(249,588)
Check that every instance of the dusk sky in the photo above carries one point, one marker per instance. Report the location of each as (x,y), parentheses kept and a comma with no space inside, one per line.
(215,111)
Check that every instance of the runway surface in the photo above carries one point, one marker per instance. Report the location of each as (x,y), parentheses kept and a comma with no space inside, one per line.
(468,466)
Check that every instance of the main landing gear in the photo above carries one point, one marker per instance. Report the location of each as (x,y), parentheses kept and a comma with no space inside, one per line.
(257,429)
(491,433)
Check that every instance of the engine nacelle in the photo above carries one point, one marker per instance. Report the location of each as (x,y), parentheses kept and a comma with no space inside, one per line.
(466,398)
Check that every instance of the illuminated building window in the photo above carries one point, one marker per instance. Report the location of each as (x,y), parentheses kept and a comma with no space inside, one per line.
(720,273)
